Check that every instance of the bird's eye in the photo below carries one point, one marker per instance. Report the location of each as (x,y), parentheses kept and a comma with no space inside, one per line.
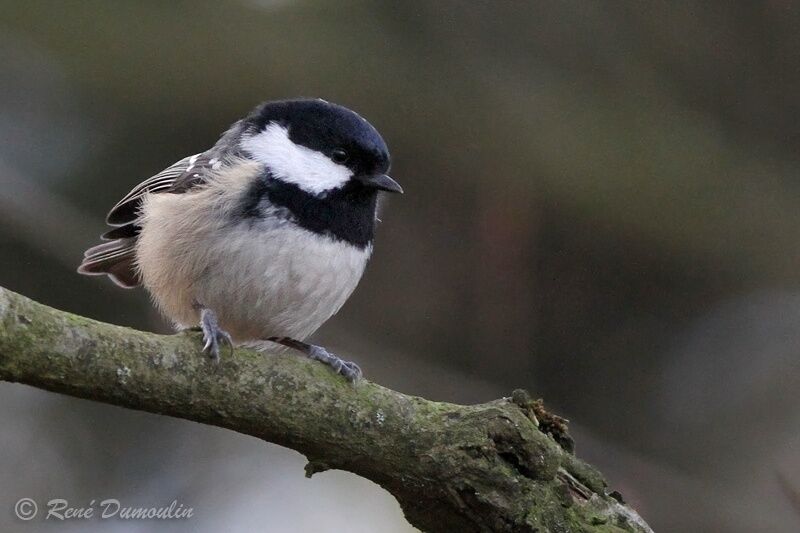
(339,156)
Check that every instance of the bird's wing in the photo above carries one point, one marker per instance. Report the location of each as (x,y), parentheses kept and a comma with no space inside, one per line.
(116,258)
(177,178)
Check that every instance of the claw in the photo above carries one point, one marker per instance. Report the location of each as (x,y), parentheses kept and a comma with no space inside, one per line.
(213,334)
(351,371)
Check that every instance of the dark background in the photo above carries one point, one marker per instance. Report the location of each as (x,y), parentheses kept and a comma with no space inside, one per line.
(601,206)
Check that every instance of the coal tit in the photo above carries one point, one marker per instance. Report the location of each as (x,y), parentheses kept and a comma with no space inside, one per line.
(263,237)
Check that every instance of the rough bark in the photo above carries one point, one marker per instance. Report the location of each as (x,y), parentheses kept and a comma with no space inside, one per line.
(490,467)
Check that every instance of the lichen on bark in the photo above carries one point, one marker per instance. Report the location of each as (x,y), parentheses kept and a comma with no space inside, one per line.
(505,465)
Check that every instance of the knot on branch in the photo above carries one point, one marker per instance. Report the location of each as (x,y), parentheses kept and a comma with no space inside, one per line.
(547,422)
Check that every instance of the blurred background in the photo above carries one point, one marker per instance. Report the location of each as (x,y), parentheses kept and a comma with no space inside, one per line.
(602,206)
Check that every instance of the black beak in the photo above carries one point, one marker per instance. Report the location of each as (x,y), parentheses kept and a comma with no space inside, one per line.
(381,182)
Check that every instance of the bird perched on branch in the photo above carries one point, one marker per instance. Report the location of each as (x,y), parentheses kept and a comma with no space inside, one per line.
(264,236)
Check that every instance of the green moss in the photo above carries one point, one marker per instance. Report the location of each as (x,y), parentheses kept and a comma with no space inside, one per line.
(452,467)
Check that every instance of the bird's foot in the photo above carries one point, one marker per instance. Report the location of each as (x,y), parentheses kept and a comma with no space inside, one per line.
(213,335)
(348,369)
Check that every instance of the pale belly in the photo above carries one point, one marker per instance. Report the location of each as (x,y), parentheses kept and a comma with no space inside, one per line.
(261,279)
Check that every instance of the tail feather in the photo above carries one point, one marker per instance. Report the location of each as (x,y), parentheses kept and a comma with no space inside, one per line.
(115,259)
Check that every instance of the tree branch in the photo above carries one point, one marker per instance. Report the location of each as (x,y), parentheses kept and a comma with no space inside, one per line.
(487,467)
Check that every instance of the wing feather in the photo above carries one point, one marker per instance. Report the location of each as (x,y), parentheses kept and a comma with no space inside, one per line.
(117,258)
(126,210)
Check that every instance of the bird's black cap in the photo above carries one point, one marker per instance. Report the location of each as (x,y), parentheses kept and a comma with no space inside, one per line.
(331,129)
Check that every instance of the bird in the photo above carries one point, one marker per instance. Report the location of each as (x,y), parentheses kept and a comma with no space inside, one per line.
(261,238)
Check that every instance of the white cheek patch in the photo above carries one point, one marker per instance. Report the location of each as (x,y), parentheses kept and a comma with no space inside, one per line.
(310,170)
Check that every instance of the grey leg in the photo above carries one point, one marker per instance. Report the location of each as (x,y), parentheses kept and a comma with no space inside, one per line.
(348,369)
(213,335)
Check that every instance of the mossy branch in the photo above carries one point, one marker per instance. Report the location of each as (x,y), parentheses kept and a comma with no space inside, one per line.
(486,467)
